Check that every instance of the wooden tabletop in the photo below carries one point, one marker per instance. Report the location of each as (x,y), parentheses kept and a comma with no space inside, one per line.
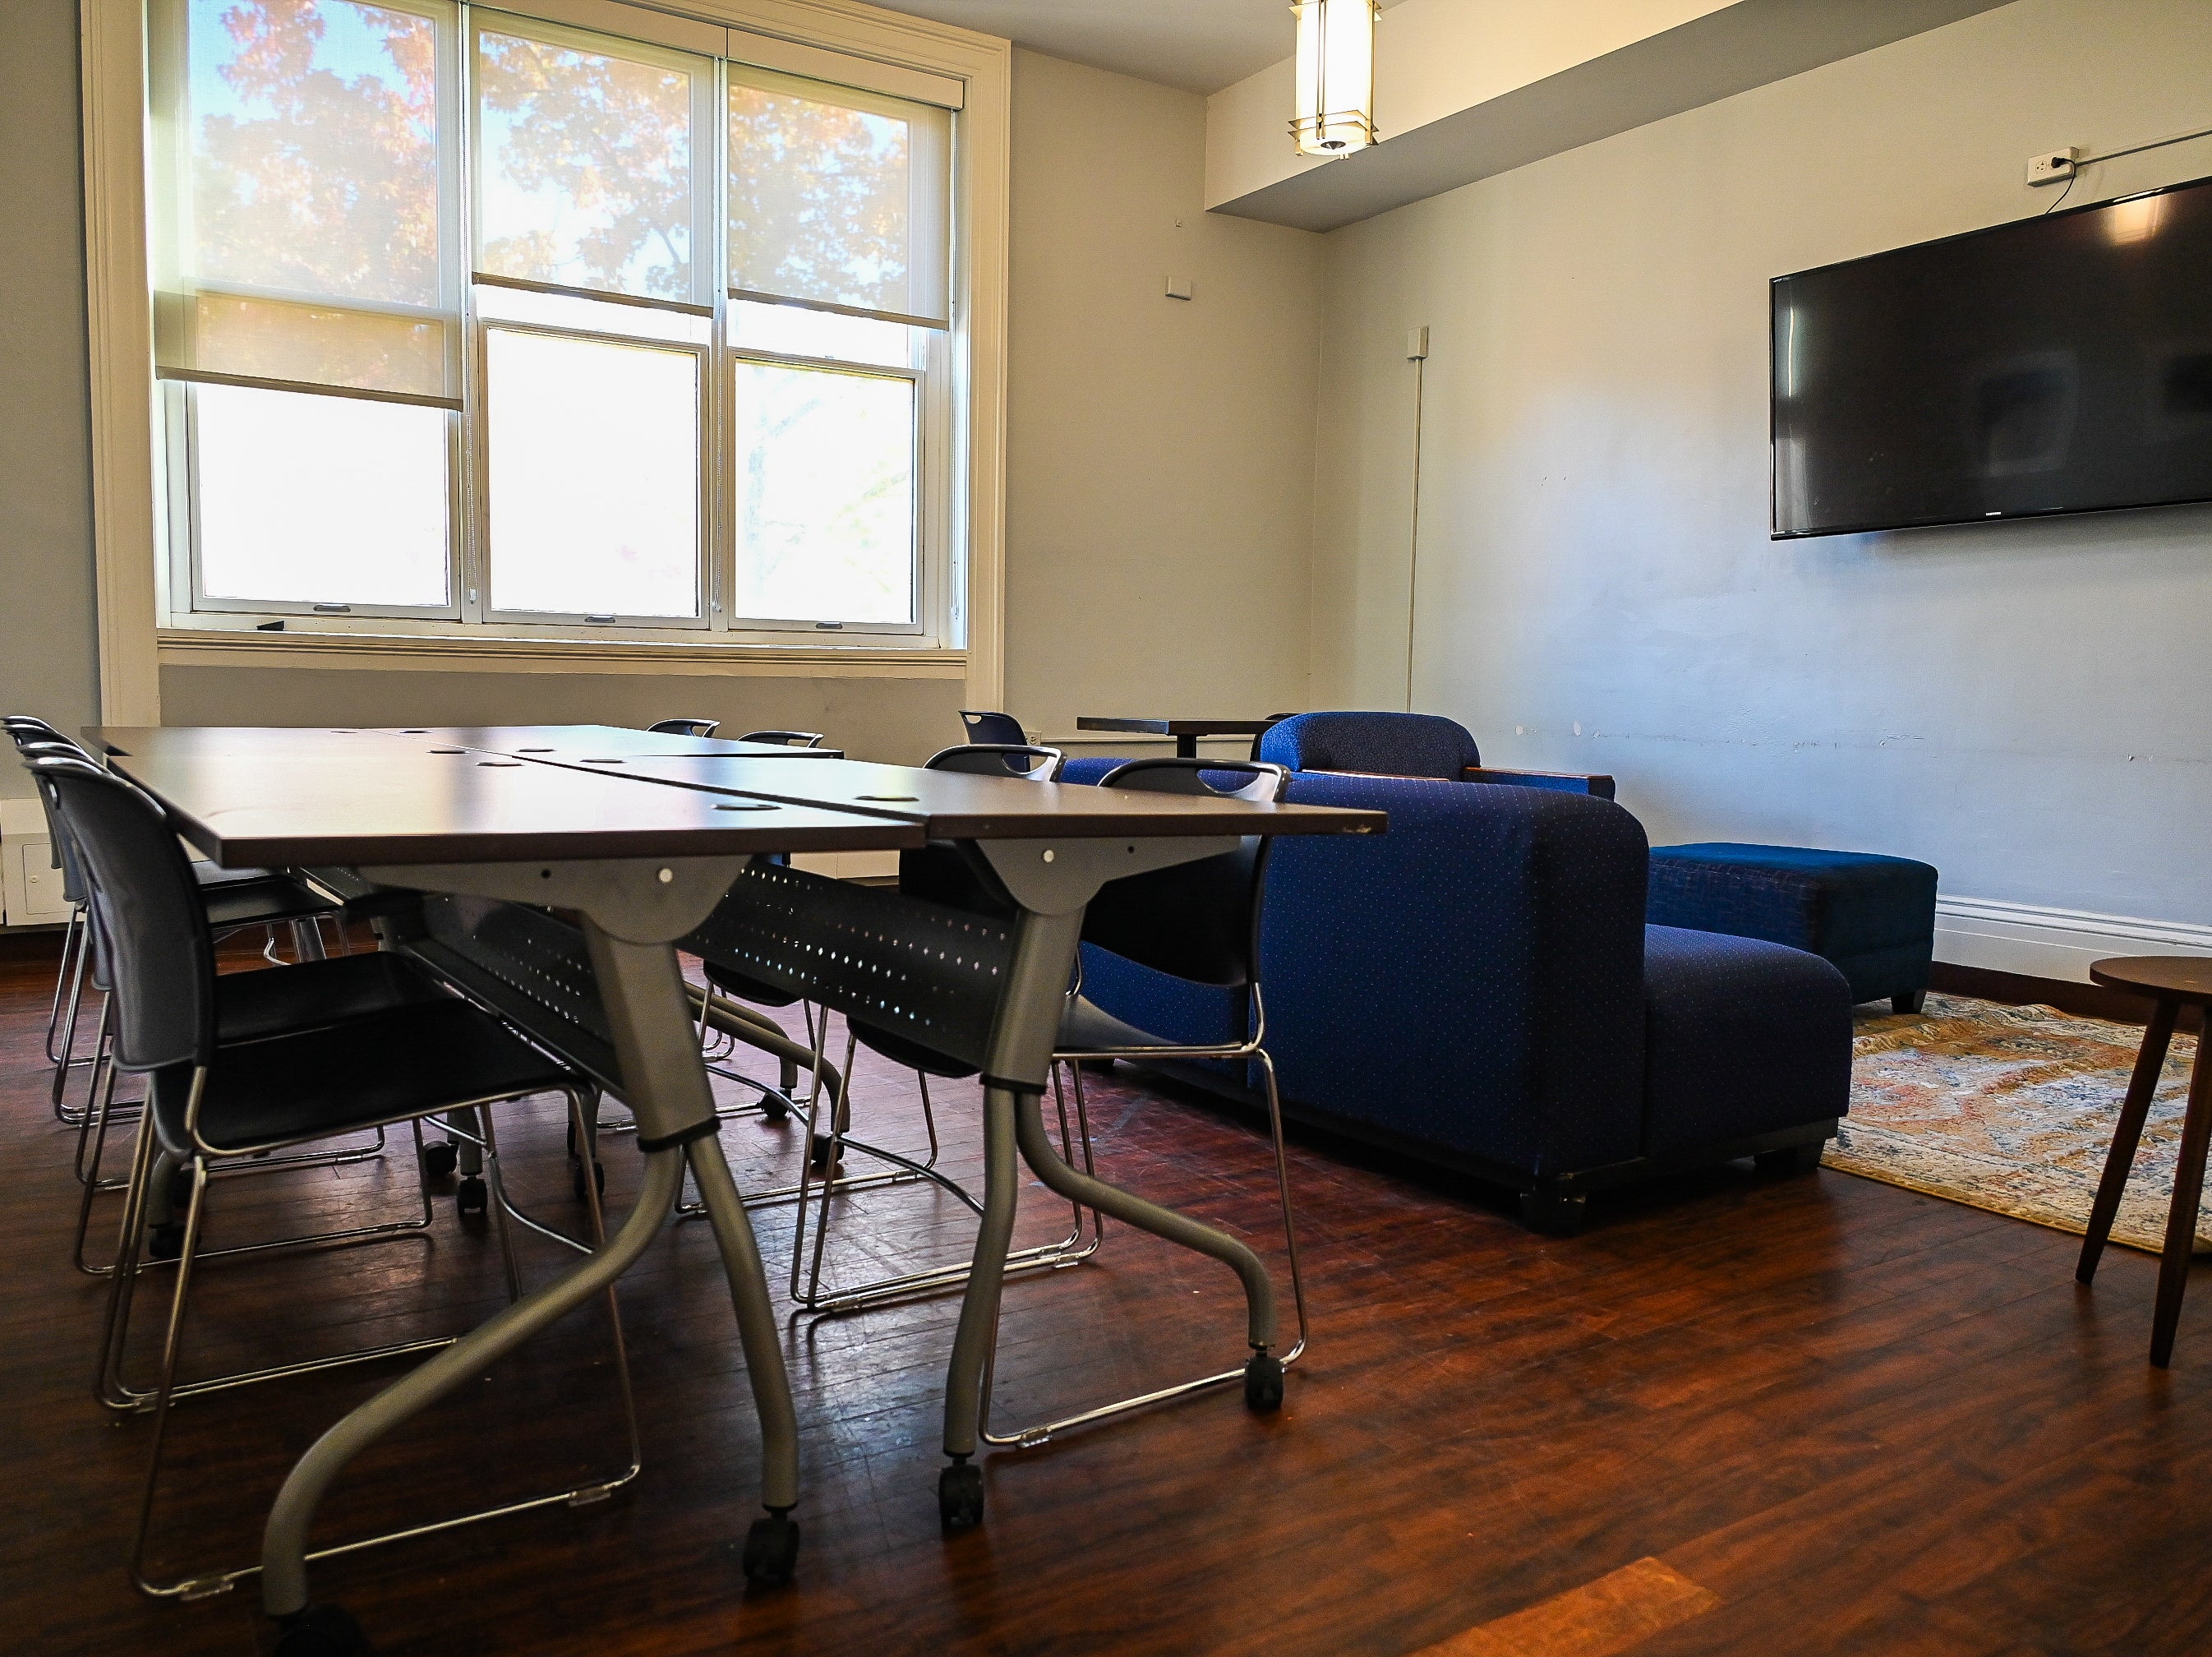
(286,799)
(2175,978)
(290,797)
(1174,727)
(959,806)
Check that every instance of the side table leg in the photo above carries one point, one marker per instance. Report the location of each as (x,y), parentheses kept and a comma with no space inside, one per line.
(2127,1133)
(2181,1218)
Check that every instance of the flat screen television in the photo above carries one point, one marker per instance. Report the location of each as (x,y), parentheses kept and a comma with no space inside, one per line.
(2054,364)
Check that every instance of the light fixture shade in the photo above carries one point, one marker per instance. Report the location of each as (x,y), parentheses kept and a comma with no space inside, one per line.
(1335,111)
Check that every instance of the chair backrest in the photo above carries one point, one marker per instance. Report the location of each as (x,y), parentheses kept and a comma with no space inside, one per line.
(1380,744)
(785,739)
(154,927)
(983,727)
(33,739)
(1196,921)
(1022,759)
(685,726)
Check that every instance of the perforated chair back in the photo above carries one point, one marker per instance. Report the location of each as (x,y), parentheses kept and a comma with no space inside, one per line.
(785,739)
(1019,759)
(154,929)
(685,726)
(990,727)
(1198,921)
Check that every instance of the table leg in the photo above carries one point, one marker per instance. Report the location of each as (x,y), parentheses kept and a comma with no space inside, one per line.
(2127,1133)
(2181,1218)
(758,1331)
(284,1539)
(960,1488)
(1186,748)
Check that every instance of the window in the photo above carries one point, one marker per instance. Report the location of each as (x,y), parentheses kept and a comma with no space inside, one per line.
(473,323)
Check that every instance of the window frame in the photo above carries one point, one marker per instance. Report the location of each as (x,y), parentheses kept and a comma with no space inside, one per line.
(956,453)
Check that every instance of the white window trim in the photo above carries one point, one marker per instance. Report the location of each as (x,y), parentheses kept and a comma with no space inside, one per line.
(127,499)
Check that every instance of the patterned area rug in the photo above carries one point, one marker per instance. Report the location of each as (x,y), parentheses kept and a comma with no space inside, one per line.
(2011,1109)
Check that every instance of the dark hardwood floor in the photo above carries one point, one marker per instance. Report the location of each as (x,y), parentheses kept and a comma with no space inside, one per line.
(1864,1419)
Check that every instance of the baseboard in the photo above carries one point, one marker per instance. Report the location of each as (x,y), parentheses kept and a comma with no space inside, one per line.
(2025,941)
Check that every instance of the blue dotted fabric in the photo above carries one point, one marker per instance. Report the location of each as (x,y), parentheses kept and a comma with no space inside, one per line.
(1874,917)
(1387,745)
(1741,1037)
(1476,979)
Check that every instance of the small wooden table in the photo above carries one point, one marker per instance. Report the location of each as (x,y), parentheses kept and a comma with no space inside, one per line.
(1186,732)
(2172,982)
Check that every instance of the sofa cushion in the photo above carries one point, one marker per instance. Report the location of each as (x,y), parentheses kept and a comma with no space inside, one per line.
(1383,744)
(1741,1037)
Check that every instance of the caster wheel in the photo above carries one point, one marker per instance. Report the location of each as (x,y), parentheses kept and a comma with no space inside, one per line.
(819,1155)
(773,1108)
(440,1160)
(323,1631)
(960,1497)
(771,1551)
(472,1197)
(576,1179)
(165,1241)
(1263,1383)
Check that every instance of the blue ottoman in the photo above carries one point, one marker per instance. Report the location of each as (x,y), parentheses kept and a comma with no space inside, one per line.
(1873,916)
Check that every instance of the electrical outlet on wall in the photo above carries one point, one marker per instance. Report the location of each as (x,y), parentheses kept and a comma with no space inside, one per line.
(2053,166)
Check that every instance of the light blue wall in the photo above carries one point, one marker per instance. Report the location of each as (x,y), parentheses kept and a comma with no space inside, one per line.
(2028,706)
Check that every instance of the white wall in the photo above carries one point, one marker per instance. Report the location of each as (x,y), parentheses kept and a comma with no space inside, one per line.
(2028,706)
(1160,451)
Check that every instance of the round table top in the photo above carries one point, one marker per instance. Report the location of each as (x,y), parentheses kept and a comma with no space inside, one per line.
(2177,978)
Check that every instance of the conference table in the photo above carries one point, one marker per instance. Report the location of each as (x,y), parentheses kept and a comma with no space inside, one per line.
(1188,733)
(552,874)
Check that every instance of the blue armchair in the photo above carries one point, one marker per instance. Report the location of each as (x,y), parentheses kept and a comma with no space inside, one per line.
(1402,744)
(1478,988)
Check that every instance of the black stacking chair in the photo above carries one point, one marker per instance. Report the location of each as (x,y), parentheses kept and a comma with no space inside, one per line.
(230,1079)
(942,873)
(685,726)
(990,727)
(1199,921)
(785,739)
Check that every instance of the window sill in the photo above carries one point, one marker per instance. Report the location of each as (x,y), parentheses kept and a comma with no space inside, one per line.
(182,647)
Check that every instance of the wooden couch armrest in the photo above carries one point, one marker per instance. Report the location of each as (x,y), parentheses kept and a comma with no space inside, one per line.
(1597,785)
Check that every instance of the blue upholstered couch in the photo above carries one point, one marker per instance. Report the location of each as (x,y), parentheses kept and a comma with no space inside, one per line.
(1477,988)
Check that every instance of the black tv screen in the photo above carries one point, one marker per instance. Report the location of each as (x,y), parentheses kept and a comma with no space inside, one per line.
(2054,364)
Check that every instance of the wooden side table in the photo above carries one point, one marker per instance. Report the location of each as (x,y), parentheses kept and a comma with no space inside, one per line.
(2172,982)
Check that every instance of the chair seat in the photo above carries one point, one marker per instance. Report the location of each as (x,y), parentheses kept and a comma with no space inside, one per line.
(1087,1027)
(387,1067)
(207,874)
(280,1000)
(266,902)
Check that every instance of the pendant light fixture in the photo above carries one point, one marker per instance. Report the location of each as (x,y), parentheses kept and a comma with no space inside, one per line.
(1335,112)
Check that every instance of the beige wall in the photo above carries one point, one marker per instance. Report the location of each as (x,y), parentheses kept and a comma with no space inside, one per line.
(48,657)
(1160,453)
(2023,704)
(1159,507)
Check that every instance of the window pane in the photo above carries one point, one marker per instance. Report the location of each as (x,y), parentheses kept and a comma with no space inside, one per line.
(795,330)
(584,169)
(838,196)
(825,495)
(320,500)
(593,471)
(299,211)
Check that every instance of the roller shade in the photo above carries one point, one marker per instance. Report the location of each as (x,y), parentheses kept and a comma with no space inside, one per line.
(304,222)
(839,199)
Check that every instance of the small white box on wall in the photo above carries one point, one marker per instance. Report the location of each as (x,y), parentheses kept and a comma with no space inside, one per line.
(30,884)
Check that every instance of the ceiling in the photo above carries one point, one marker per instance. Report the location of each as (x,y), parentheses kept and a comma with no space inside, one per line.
(1200,45)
